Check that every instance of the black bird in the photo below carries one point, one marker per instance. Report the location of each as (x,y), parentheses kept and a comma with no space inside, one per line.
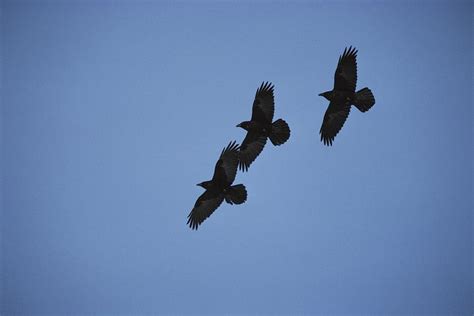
(343,96)
(219,188)
(260,127)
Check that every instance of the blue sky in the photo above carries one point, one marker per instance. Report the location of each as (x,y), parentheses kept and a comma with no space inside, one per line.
(112,111)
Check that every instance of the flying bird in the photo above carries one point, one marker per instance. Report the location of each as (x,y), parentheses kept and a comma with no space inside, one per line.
(343,95)
(219,188)
(260,127)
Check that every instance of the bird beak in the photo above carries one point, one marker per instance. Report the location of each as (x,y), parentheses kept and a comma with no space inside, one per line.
(238,125)
(320,94)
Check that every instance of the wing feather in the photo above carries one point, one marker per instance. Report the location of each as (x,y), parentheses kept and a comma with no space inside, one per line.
(264,104)
(334,119)
(251,147)
(205,205)
(345,77)
(226,167)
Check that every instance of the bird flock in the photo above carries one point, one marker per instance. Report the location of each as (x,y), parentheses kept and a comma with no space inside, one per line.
(261,127)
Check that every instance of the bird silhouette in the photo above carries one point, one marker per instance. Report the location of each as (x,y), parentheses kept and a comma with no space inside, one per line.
(343,95)
(219,188)
(260,127)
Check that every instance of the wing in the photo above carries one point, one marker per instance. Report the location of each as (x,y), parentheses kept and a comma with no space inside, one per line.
(334,119)
(345,77)
(264,104)
(205,205)
(251,147)
(226,166)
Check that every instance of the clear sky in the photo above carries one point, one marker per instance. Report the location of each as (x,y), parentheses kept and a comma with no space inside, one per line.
(112,111)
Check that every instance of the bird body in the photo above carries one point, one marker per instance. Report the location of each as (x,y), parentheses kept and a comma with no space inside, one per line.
(261,126)
(343,95)
(257,127)
(339,96)
(219,188)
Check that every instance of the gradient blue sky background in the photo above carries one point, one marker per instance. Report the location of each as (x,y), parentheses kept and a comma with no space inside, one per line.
(112,112)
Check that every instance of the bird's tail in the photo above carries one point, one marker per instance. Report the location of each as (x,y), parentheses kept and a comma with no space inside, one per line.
(280,132)
(364,99)
(237,194)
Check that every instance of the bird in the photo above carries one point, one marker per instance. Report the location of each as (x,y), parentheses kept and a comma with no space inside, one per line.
(219,188)
(343,95)
(260,127)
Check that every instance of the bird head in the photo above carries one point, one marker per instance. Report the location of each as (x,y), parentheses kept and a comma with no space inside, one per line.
(244,125)
(327,95)
(204,184)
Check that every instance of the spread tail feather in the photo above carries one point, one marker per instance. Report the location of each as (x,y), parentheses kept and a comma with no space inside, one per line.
(237,194)
(364,99)
(280,132)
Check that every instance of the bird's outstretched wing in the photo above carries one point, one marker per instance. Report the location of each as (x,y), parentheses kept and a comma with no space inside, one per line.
(226,166)
(251,147)
(334,119)
(345,77)
(264,104)
(205,205)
